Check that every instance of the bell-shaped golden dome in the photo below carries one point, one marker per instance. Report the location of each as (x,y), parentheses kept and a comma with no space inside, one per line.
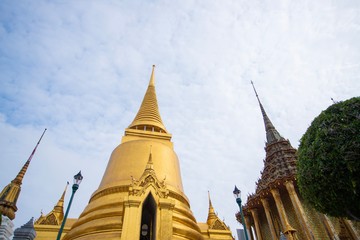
(129,160)
(141,192)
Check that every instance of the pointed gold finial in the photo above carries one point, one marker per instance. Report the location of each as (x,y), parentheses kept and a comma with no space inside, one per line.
(152,78)
(210,204)
(60,203)
(211,214)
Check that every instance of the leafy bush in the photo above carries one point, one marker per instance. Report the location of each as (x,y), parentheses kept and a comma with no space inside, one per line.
(328,168)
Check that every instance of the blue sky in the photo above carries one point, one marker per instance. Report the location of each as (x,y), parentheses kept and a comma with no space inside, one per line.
(81,69)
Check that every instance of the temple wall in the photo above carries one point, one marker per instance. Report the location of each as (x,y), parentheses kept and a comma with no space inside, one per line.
(317,223)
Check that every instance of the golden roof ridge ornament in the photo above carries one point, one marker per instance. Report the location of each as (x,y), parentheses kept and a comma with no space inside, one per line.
(10,193)
(148,117)
(272,134)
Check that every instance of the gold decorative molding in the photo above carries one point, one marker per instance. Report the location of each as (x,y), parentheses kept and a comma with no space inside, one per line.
(107,191)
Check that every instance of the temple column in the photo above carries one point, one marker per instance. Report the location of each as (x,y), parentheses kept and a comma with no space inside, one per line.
(166,215)
(288,230)
(329,227)
(268,217)
(351,229)
(299,209)
(248,227)
(132,218)
(255,216)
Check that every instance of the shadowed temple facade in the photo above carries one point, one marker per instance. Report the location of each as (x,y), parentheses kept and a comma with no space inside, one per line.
(276,209)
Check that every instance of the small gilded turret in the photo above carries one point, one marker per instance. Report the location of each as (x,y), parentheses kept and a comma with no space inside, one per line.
(10,194)
(211,215)
(56,216)
(213,221)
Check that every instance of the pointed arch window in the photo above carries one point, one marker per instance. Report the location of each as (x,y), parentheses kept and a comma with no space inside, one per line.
(148,219)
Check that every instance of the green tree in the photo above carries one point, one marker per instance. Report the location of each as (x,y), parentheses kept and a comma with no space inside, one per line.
(328,170)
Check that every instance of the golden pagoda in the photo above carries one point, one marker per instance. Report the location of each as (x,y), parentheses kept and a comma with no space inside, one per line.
(47,226)
(276,208)
(214,228)
(10,194)
(141,194)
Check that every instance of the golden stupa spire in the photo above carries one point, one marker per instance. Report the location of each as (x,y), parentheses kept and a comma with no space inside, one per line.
(60,204)
(10,194)
(213,221)
(211,215)
(56,216)
(148,117)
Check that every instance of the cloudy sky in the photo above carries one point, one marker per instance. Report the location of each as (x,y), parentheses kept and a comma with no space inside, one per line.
(81,68)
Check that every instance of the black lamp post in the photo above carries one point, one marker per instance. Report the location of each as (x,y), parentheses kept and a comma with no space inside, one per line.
(77,180)
(237,195)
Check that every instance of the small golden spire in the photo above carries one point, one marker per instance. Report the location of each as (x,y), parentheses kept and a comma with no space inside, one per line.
(56,215)
(148,117)
(211,215)
(60,203)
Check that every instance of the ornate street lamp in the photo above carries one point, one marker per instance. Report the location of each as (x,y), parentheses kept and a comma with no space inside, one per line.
(77,180)
(237,195)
